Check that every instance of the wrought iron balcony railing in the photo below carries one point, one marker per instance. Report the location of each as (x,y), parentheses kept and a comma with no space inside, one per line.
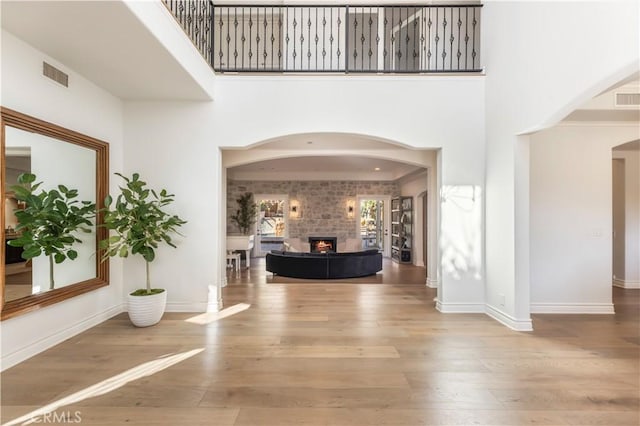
(196,18)
(329,38)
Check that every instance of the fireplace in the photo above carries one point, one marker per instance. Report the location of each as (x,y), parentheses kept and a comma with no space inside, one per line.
(323,244)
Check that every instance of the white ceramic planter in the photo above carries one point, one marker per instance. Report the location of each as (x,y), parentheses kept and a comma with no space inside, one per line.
(147,310)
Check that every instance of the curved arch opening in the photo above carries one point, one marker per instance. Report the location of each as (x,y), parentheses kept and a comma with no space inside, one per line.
(326,139)
(336,170)
(327,145)
(576,183)
(623,76)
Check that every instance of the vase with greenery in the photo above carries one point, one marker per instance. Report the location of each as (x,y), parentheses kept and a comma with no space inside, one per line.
(50,221)
(139,224)
(246,213)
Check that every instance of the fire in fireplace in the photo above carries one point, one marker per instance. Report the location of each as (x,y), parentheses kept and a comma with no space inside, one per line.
(323,244)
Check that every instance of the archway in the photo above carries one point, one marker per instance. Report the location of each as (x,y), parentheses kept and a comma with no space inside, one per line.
(271,157)
(626,215)
(570,203)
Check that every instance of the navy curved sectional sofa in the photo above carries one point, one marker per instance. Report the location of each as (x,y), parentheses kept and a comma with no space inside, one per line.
(324,265)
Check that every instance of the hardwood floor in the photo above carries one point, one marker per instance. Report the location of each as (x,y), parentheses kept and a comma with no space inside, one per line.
(17,280)
(295,352)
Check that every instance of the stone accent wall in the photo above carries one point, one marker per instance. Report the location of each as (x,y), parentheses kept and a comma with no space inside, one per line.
(323,204)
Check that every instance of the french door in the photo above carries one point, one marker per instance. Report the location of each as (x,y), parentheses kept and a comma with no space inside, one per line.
(271,223)
(373,223)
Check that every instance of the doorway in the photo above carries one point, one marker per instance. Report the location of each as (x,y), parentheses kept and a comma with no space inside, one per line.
(626,215)
(271,223)
(373,224)
(425,231)
(618,201)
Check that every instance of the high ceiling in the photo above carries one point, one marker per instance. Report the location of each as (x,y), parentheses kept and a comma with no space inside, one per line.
(106,43)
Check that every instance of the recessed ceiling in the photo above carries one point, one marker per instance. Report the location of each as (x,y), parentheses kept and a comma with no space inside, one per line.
(106,43)
(328,156)
(329,141)
(629,146)
(324,168)
(603,106)
(603,115)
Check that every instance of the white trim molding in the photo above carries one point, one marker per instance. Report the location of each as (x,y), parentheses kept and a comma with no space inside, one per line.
(508,320)
(481,308)
(461,308)
(214,299)
(432,283)
(22,354)
(572,308)
(617,282)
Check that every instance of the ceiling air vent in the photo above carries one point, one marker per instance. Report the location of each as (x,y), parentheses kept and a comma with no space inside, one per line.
(627,100)
(55,74)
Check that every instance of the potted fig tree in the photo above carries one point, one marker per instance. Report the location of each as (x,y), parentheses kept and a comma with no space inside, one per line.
(138,225)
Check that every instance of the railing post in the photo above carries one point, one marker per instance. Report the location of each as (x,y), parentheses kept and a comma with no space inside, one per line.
(212,28)
(381,34)
(346,39)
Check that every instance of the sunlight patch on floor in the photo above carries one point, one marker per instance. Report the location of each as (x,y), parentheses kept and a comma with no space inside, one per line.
(209,317)
(108,385)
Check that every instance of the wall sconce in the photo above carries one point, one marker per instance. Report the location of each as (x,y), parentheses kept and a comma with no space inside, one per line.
(294,210)
(351,209)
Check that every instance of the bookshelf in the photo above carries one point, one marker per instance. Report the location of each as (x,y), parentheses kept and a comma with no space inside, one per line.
(401,229)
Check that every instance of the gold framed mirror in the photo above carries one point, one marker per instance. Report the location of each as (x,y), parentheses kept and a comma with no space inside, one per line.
(56,156)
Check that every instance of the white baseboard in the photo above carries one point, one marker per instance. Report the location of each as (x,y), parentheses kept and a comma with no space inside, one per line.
(481,308)
(432,283)
(461,308)
(572,308)
(617,282)
(186,307)
(508,320)
(22,354)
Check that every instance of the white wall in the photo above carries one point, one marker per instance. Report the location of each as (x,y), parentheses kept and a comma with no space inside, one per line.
(407,109)
(631,275)
(172,146)
(571,217)
(538,70)
(421,112)
(250,109)
(87,109)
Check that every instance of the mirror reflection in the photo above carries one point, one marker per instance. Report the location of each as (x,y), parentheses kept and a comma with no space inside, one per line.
(56,156)
(75,167)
